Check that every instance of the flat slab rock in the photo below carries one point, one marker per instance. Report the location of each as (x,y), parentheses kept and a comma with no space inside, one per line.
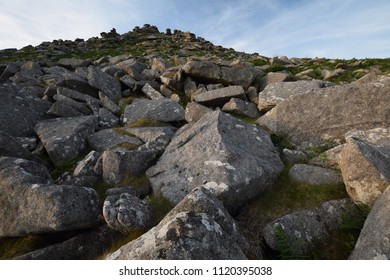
(33,204)
(327,114)
(106,139)
(213,153)
(164,110)
(199,228)
(219,97)
(65,138)
(314,175)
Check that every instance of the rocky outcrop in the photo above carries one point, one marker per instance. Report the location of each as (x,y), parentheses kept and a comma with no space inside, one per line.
(241,108)
(32,203)
(212,153)
(199,228)
(373,242)
(365,164)
(327,114)
(65,138)
(103,82)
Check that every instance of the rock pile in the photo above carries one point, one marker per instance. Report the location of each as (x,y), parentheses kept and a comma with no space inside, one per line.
(85,144)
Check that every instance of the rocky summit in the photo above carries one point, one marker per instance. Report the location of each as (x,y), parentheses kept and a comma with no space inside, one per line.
(162,145)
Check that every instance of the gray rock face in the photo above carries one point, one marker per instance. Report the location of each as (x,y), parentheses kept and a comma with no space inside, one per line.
(235,74)
(155,138)
(109,138)
(20,110)
(86,246)
(219,97)
(278,92)
(12,147)
(213,153)
(117,163)
(62,109)
(275,77)
(195,111)
(31,203)
(73,63)
(109,104)
(164,110)
(314,175)
(365,164)
(197,228)
(125,212)
(105,83)
(327,114)
(307,227)
(65,138)
(80,107)
(241,108)
(107,119)
(373,242)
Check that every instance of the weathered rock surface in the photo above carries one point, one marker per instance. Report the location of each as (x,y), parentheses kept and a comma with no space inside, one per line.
(327,114)
(197,228)
(219,97)
(65,138)
(213,153)
(12,147)
(20,110)
(155,138)
(241,108)
(86,246)
(151,92)
(195,111)
(109,138)
(125,212)
(119,162)
(31,203)
(164,110)
(107,119)
(62,109)
(308,227)
(278,92)
(314,175)
(373,242)
(235,74)
(365,164)
(104,82)
(74,63)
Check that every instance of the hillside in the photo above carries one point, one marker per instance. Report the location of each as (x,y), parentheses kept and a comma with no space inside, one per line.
(151,145)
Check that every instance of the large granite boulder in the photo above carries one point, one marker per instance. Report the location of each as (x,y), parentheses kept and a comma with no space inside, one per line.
(65,138)
(164,110)
(213,153)
(197,228)
(12,147)
(110,138)
(278,92)
(31,203)
(20,110)
(373,242)
(329,113)
(241,108)
(365,164)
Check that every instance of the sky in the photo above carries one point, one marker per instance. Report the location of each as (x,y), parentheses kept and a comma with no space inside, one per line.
(295,28)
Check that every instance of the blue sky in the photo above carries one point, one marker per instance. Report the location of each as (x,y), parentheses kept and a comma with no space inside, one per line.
(296,28)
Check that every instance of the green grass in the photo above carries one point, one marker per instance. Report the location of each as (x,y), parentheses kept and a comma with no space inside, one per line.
(146,123)
(160,207)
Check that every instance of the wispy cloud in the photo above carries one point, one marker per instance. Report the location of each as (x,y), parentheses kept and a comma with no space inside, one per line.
(332,28)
